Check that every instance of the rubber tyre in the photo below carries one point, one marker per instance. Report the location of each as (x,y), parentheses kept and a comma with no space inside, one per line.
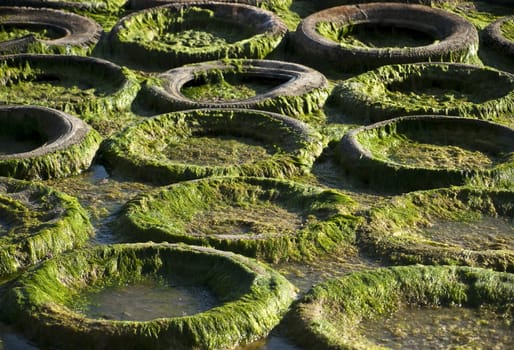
(253,299)
(302,90)
(494,37)
(267,31)
(457,38)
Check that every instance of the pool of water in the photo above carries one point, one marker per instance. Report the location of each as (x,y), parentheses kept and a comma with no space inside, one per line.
(146,300)
(487,233)
(441,328)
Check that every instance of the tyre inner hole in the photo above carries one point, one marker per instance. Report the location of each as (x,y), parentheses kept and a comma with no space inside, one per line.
(376,35)
(229,87)
(10,31)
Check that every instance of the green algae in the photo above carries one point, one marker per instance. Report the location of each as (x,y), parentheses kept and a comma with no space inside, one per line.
(480,13)
(331,315)
(507,29)
(254,298)
(181,30)
(400,231)
(37,223)
(269,219)
(13,32)
(141,151)
(227,87)
(217,151)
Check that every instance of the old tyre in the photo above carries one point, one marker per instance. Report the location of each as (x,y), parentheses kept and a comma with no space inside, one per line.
(291,89)
(88,87)
(43,143)
(460,226)
(335,314)
(279,220)
(266,4)
(321,36)
(420,152)
(212,142)
(175,34)
(254,298)
(93,5)
(37,223)
(67,33)
(495,36)
(428,88)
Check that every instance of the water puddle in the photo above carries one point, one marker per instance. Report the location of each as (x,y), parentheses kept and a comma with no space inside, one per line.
(10,340)
(146,300)
(103,197)
(487,233)
(304,275)
(441,328)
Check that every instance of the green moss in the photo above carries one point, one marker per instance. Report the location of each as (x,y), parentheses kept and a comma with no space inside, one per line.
(79,86)
(141,151)
(37,222)
(270,219)
(444,89)
(255,297)
(328,317)
(15,32)
(507,29)
(398,231)
(480,13)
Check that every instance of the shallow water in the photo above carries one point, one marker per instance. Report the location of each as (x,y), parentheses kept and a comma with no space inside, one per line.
(487,233)
(146,300)
(441,328)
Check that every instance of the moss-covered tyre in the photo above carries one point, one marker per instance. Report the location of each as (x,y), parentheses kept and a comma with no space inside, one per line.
(500,36)
(428,88)
(253,298)
(212,142)
(88,87)
(258,217)
(37,223)
(25,29)
(266,4)
(176,34)
(461,225)
(343,313)
(275,86)
(420,152)
(43,143)
(87,5)
(325,36)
